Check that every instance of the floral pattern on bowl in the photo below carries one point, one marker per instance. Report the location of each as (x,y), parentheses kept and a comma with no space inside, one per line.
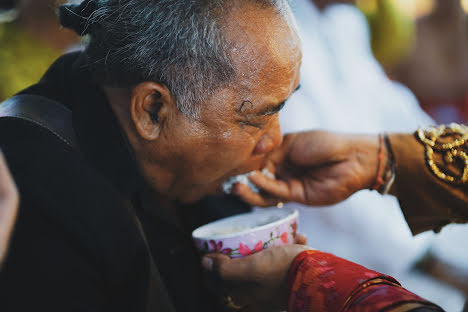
(281,231)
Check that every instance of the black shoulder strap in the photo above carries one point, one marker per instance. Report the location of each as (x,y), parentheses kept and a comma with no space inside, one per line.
(57,119)
(43,112)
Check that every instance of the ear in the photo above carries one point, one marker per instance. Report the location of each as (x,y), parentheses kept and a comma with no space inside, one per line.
(150,106)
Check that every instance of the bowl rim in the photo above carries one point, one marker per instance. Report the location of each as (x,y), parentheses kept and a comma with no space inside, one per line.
(294,214)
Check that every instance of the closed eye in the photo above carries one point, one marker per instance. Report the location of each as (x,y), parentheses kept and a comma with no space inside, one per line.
(251,124)
(275,109)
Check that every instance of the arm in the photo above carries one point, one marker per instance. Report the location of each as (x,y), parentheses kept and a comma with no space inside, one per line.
(322,168)
(427,201)
(320,281)
(298,279)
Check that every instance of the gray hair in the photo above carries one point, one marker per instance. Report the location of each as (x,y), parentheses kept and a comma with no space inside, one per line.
(178,43)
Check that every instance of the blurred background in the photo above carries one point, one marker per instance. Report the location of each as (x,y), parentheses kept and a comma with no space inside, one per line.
(421,43)
(30,40)
(369,66)
(424,45)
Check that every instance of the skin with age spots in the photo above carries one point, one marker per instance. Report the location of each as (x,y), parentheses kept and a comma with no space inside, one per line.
(184,159)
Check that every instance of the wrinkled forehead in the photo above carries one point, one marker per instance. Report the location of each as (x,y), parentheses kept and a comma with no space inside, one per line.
(264,46)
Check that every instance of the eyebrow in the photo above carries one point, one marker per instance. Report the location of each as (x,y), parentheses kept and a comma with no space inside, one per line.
(273,110)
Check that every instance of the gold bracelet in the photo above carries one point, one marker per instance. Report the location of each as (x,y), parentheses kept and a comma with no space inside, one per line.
(456,148)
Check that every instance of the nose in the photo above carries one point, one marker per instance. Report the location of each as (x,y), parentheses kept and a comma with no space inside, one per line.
(270,139)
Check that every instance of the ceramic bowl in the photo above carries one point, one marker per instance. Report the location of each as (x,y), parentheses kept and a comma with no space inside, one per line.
(248,233)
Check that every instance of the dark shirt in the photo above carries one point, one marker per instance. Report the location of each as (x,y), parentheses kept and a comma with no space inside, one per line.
(76,246)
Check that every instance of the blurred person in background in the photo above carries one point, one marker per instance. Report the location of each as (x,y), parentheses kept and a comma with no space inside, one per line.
(344,88)
(392,30)
(30,40)
(437,68)
(9,200)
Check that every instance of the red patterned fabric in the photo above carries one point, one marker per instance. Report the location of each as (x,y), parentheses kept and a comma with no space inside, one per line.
(322,282)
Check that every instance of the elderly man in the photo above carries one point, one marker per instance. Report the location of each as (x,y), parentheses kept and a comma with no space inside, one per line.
(169,99)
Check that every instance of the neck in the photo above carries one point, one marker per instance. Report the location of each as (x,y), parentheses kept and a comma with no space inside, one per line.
(449,18)
(170,207)
(448,9)
(322,4)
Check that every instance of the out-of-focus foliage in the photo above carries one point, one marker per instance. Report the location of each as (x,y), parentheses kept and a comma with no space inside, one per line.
(392,30)
(23,59)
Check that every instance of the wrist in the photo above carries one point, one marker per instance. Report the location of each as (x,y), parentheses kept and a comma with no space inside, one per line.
(388,174)
(366,150)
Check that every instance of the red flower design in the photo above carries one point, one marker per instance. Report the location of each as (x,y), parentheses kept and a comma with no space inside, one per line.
(284,237)
(226,251)
(244,250)
(259,246)
(218,248)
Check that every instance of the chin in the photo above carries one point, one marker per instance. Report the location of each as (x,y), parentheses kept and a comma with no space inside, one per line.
(194,196)
(214,188)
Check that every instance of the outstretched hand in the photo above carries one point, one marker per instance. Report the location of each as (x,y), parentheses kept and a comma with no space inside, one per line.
(315,168)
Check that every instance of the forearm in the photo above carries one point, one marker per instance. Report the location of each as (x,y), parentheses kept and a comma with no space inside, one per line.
(322,282)
(426,200)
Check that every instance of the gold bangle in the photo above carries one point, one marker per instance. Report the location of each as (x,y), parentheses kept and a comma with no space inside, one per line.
(455,149)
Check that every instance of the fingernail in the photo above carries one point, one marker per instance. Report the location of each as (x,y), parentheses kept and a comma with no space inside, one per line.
(207,263)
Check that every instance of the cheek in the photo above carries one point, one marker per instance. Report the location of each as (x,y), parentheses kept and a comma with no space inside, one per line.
(234,147)
(216,155)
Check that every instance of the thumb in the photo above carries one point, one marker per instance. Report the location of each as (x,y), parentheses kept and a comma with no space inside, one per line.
(212,262)
(229,269)
(300,239)
(316,148)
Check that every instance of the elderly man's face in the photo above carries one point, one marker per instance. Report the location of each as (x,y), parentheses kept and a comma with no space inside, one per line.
(239,124)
